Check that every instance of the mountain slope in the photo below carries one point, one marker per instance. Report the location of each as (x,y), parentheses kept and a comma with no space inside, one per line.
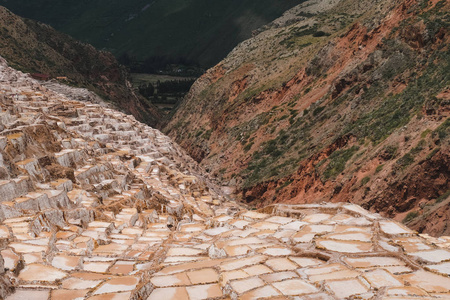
(330,106)
(38,48)
(174,28)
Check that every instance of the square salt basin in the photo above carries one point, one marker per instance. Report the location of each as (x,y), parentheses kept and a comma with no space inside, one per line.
(98,267)
(265,226)
(122,267)
(393,228)
(160,235)
(216,231)
(68,294)
(257,270)
(344,246)
(433,256)
(346,288)
(200,292)
(27,248)
(10,258)
(238,223)
(116,285)
(265,292)
(170,293)
(22,294)
(281,264)
(123,242)
(203,276)
(110,249)
(302,237)
(4,232)
(183,251)
(276,251)
(65,235)
(376,261)
(170,280)
(293,287)
(349,228)
(237,250)
(342,274)
(181,259)
(279,276)
(306,261)
(30,258)
(428,281)
(350,236)
(222,218)
(244,241)
(341,218)
(296,225)
(182,237)
(443,268)
(263,234)
(231,275)
(284,235)
(406,291)
(241,233)
(65,262)
(119,236)
(242,262)
(132,231)
(413,244)
(253,215)
(316,218)
(38,272)
(280,220)
(325,269)
(381,278)
(192,227)
(243,285)
(74,283)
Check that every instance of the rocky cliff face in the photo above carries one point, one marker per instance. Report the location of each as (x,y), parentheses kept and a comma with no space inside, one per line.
(96,205)
(327,105)
(37,48)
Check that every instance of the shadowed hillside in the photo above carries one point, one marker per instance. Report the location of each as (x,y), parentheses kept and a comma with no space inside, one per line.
(195,31)
(37,48)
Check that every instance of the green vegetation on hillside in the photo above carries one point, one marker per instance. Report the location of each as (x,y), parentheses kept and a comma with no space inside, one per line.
(362,104)
(337,161)
(397,110)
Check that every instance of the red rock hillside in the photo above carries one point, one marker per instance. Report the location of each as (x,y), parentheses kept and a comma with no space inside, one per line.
(335,101)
